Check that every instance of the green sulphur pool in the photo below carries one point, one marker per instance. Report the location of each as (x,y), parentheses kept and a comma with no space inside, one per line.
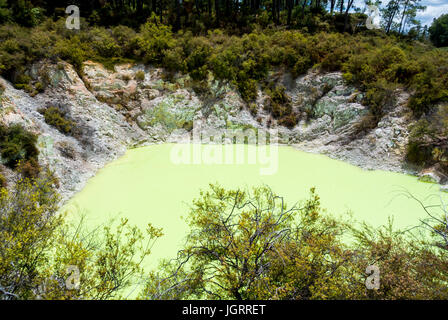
(146,185)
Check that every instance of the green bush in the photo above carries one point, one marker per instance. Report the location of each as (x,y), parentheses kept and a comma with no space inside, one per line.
(174,60)
(140,75)
(280,105)
(418,150)
(439,31)
(154,39)
(248,89)
(17,144)
(22,81)
(197,58)
(73,50)
(302,65)
(428,142)
(125,37)
(54,117)
(429,83)
(29,168)
(3,182)
(102,42)
(5,12)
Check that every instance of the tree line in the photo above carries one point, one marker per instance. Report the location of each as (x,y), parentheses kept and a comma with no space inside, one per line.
(396,16)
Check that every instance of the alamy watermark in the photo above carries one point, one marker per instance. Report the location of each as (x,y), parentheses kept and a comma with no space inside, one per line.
(373,280)
(374,13)
(228,146)
(73,280)
(73,20)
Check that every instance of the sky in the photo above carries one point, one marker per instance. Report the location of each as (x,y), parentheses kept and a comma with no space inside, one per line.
(435,8)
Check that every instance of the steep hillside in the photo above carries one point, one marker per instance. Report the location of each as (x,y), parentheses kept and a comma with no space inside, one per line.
(134,105)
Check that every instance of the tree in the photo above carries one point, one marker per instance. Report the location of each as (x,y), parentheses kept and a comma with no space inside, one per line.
(346,18)
(332,5)
(402,259)
(232,234)
(250,245)
(27,221)
(37,245)
(439,31)
(5,12)
(410,9)
(389,13)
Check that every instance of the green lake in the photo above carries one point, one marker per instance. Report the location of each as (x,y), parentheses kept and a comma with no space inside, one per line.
(146,185)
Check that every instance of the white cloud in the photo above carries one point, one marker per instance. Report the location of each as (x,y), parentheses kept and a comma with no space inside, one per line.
(435,9)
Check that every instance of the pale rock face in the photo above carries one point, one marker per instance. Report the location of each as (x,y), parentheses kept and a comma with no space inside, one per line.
(114,110)
(104,135)
(432,175)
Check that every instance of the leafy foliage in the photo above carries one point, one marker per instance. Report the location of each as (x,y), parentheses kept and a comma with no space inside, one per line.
(17,144)
(428,141)
(439,31)
(53,116)
(37,245)
(250,245)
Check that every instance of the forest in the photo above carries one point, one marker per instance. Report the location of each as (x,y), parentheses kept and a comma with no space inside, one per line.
(398,16)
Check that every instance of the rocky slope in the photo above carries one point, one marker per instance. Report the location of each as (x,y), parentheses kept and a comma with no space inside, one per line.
(138,105)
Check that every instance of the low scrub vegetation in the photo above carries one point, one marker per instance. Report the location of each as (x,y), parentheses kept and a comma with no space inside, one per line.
(428,141)
(38,247)
(17,144)
(56,118)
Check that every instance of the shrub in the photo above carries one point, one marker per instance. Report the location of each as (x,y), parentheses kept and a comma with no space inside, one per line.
(39,87)
(3,182)
(288,121)
(5,12)
(335,60)
(311,260)
(125,37)
(140,75)
(428,143)
(301,66)
(417,150)
(248,89)
(197,57)
(429,83)
(17,144)
(280,105)
(253,108)
(37,244)
(154,39)
(22,81)
(102,42)
(73,50)
(54,117)
(174,60)
(29,168)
